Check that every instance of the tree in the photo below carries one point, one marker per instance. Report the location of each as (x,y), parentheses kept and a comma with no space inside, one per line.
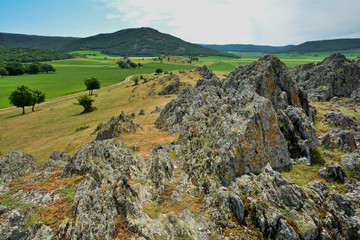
(3,72)
(37,98)
(34,68)
(91,84)
(158,71)
(15,68)
(21,97)
(86,102)
(47,68)
(136,80)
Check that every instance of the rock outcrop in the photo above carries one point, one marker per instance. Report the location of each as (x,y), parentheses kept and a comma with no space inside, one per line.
(206,73)
(57,159)
(15,165)
(231,127)
(334,76)
(115,126)
(341,120)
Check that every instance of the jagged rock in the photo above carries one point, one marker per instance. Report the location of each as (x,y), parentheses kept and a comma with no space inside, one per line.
(172,88)
(282,210)
(161,169)
(16,164)
(333,172)
(343,139)
(206,73)
(15,224)
(334,76)
(231,127)
(352,162)
(94,211)
(355,96)
(142,112)
(115,126)
(104,157)
(172,77)
(57,159)
(341,120)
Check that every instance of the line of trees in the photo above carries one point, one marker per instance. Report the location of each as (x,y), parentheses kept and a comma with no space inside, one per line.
(17,68)
(23,96)
(128,64)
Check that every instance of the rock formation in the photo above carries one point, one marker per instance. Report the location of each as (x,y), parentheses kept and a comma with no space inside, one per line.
(334,76)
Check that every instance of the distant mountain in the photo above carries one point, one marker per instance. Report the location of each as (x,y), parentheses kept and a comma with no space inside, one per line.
(10,40)
(246,48)
(326,46)
(140,42)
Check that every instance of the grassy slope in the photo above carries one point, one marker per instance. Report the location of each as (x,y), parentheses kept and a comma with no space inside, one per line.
(70,74)
(54,124)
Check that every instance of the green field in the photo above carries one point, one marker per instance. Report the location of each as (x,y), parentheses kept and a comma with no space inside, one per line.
(70,74)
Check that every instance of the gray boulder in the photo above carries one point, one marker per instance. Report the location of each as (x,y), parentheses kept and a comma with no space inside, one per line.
(172,88)
(341,120)
(355,96)
(333,172)
(352,162)
(16,164)
(334,76)
(343,139)
(57,159)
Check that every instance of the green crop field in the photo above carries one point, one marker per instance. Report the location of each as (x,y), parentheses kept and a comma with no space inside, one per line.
(70,74)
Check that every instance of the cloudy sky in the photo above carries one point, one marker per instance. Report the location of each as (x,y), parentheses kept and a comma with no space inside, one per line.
(266,22)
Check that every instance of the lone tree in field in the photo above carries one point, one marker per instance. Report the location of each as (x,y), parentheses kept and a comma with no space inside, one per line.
(21,97)
(91,84)
(158,71)
(38,97)
(86,102)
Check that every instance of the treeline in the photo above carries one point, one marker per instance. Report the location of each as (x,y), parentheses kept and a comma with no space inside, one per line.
(128,64)
(31,55)
(17,68)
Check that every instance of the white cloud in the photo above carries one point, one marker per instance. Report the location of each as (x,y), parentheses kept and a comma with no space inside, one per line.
(275,22)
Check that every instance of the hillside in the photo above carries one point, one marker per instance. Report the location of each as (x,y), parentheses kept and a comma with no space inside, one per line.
(246,48)
(140,42)
(326,46)
(31,55)
(10,40)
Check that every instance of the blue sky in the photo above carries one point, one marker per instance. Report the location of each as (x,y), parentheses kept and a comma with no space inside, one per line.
(268,22)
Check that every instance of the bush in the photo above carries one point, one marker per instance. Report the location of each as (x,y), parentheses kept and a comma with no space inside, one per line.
(3,72)
(86,102)
(158,71)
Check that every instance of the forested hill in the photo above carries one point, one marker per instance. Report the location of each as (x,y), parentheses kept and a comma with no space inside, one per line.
(326,46)
(141,42)
(246,48)
(31,55)
(10,40)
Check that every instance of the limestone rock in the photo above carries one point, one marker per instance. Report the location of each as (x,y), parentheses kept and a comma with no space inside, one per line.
(57,159)
(172,88)
(108,157)
(343,139)
(341,120)
(115,126)
(16,164)
(333,172)
(334,76)
(355,96)
(352,162)
(161,169)
(205,72)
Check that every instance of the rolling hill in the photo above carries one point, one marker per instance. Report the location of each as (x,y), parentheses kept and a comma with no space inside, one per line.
(140,42)
(326,46)
(246,48)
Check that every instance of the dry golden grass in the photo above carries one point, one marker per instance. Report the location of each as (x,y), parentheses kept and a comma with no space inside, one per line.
(53,126)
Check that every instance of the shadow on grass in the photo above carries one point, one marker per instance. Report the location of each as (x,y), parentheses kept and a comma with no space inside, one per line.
(85,112)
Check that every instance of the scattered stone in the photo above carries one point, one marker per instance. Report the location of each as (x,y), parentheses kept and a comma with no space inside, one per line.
(156,110)
(142,112)
(304,160)
(16,164)
(333,172)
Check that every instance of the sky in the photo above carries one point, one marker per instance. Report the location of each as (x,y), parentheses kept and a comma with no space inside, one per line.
(261,22)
